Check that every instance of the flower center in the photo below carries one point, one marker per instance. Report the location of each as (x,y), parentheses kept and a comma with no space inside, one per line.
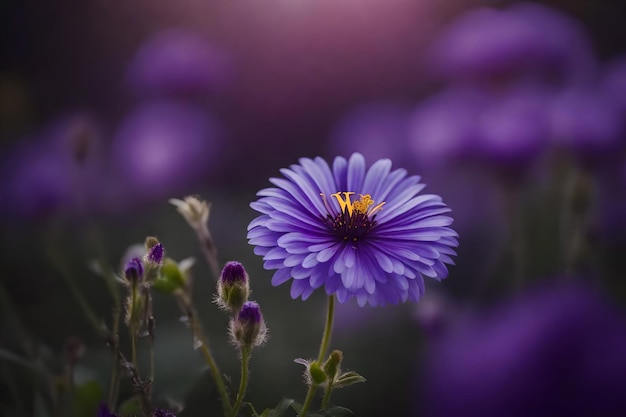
(355,219)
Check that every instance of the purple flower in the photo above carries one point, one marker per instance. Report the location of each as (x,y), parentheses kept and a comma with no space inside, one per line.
(52,172)
(589,124)
(250,313)
(155,254)
(356,231)
(504,132)
(613,82)
(444,126)
(163,148)
(133,271)
(553,352)
(513,131)
(526,39)
(233,273)
(178,62)
(247,328)
(233,287)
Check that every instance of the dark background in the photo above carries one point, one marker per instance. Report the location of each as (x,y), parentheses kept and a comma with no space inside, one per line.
(298,66)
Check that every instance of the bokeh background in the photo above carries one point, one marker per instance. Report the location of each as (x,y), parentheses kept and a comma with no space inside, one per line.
(515,113)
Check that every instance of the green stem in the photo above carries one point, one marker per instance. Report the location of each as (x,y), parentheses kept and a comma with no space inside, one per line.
(115,379)
(327,392)
(309,398)
(132,327)
(328,330)
(243,384)
(200,341)
(217,377)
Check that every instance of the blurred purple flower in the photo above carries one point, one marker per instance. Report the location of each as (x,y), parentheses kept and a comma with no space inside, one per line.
(504,131)
(54,171)
(444,126)
(162,149)
(527,40)
(178,62)
(376,130)
(589,124)
(613,82)
(555,352)
(358,232)
(513,131)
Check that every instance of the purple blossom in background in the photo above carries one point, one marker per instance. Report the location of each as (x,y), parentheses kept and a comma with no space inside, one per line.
(356,231)
(589,124)
(504,131)
(53,171)
(444,127)
(554,352)
(526,40)
(176,62)
(162,149)
(613,82)
(376,130)
(513,130)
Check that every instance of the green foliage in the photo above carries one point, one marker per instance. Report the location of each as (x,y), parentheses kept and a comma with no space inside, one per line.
(86,399)
(131,407)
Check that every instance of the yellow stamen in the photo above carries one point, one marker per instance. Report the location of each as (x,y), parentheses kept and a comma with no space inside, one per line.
(361,206)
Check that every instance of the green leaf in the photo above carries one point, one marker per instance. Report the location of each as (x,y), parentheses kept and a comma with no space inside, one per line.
(131,407)
(348,378)
(86,399)
(280,408)
(334,411)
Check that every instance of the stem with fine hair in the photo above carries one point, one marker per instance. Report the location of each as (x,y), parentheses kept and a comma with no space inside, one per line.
(327,391)
(201,342)
(243,384)
(328,330)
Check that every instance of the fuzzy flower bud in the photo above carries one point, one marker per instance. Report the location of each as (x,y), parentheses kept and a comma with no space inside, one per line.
(248,329)
(155,255)
(195,211)
(133,271)
(233,287)
(153,260)
(332,366)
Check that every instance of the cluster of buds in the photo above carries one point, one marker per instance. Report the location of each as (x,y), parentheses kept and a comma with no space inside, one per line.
(139,274)
(247,327)
(329,373)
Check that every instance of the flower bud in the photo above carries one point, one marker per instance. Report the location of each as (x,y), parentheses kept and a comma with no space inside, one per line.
(195,211)
(153,259)
(150,242)
(233,287)
(332,366)
(133,271)
(248,329)
(317,374)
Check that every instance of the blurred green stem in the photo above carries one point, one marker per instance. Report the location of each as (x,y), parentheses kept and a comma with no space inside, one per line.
(328,330)
(200,341)
(115,379)
(243,384)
